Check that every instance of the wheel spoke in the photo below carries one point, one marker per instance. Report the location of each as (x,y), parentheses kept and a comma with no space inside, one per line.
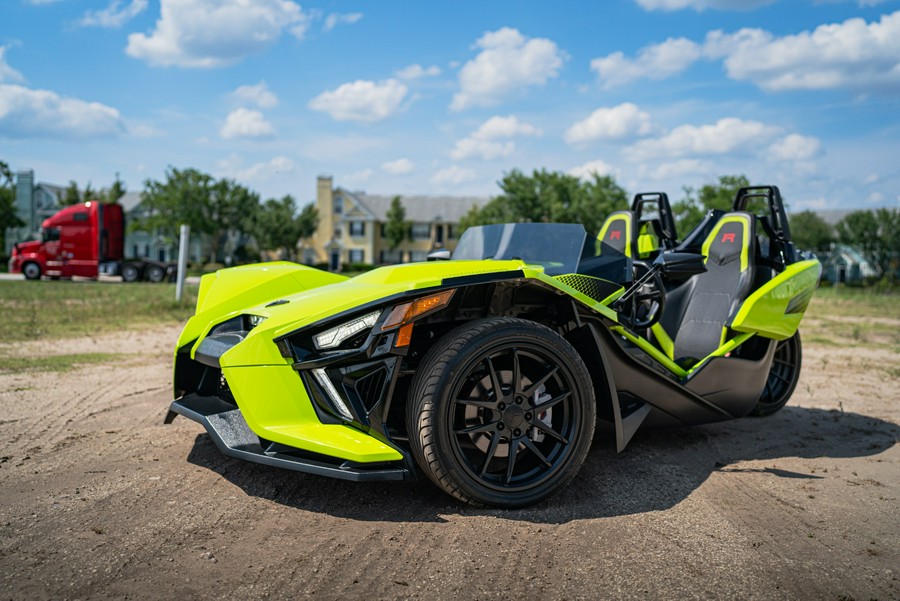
(513,452)
(548,430)
(533,448)
(486,427)
(539,383)
(780,377)
(477,403)
(495,380)
(554,401)
(769,393)
(783,362)
(517,372)
(492,448)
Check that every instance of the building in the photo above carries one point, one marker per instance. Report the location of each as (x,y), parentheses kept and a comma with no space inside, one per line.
(351,226)
(34,203)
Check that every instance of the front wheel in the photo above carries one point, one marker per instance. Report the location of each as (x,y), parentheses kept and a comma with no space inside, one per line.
(783,377)
(501,412)
(32,271)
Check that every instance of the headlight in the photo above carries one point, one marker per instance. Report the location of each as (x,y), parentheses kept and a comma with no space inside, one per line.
(255,320)
(333,337)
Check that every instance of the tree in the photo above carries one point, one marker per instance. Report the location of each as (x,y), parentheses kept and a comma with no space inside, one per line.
(88,193)
(278,226)
(112,194)
(72,196)
(9,218)
(550,196)
(689,211)
(396,226)
(811,232)
(876,234)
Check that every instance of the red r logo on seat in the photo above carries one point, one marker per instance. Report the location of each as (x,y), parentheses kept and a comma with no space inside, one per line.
(728,238)
(615,235)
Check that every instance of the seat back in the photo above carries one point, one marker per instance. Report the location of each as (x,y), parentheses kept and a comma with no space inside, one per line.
(696,311)
(617,232)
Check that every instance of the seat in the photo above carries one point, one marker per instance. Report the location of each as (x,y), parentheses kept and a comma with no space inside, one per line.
(617,232)
(693,323)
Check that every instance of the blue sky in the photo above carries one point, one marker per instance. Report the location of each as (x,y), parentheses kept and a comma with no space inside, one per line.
(445,97)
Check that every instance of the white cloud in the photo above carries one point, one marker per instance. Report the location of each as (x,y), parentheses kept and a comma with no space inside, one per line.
(700,5)
(335,19)
(231,167)
(114,15)
(853,54)
(214,33)
(795,147)
(26,113)
(657,61)
(876,197)
(258,94)
(610,123)
(492,139)
(680,168)
(508,63)
(398,167)
(7,72)
(361,100)
(452,176)
(417,71)
(359,177)
(592,168)
(723,137)
(244,123)
(871,179)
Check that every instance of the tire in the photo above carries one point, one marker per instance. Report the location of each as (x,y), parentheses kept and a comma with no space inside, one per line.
(783,377)
(130,273)
(155,274)
(461,430)
(31,270)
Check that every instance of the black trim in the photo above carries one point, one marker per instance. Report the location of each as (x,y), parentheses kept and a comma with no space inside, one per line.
(234,438)
(483,278)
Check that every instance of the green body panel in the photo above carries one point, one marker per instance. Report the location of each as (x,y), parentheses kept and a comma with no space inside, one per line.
(777,307)
(278,409)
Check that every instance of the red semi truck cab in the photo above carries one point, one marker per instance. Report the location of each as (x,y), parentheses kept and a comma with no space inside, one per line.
(83,240)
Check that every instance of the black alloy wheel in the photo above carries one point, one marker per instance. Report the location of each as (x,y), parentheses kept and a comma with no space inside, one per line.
(783,376)
(501,412)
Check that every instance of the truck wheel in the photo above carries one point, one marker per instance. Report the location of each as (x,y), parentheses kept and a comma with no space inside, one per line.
(501,412)
(32,271)
(130,273)
(155,274)
(783,377)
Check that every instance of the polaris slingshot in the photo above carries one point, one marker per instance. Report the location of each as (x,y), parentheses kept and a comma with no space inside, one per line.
(487,372)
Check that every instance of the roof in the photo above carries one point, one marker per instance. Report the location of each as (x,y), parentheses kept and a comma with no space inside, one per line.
(130,201)
(447,209)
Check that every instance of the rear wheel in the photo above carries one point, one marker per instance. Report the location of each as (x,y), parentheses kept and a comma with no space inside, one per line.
(130,272)
(501,412)
(155,274)
(783,376)
(32,271)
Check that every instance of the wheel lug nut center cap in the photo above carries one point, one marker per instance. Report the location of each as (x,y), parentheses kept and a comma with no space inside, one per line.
(513,416)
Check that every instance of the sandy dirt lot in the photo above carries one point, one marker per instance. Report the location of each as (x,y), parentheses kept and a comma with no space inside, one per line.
(99,499)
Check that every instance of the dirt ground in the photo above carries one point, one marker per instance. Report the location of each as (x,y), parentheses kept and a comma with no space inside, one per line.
(99,499)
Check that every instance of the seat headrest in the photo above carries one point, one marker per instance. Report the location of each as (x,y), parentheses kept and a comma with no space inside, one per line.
(732,238)
(618,231)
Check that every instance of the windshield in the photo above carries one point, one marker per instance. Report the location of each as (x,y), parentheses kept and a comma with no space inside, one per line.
(560,248)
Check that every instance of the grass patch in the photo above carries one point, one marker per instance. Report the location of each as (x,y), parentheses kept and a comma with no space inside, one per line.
(852,317)
(53,363)
(854,302)
(51,310)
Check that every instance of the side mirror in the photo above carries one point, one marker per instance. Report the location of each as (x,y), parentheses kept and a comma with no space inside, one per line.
(439,255)
(680,264)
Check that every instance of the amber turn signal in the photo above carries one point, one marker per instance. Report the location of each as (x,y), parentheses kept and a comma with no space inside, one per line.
(405,313)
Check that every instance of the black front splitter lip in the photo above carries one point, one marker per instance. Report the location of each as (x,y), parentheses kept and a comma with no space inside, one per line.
(228,429)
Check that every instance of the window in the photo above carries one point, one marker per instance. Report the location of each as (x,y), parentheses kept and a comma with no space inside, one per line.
(51,234)
(418,255)
(451,232)
(338,232)
(338,204)
(80,216)
(420,231)
(439,234)
(383,231)
(356,255)
(357,229)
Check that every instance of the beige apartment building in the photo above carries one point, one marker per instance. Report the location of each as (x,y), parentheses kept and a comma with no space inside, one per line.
(351,226)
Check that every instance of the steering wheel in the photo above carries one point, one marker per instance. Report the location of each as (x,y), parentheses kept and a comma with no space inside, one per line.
(650,299)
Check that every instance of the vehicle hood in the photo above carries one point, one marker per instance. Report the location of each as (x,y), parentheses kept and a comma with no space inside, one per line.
(26,247)
(292,296)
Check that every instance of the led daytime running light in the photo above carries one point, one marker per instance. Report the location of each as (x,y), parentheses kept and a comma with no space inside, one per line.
(336,399)
(407,312)
(333,337)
